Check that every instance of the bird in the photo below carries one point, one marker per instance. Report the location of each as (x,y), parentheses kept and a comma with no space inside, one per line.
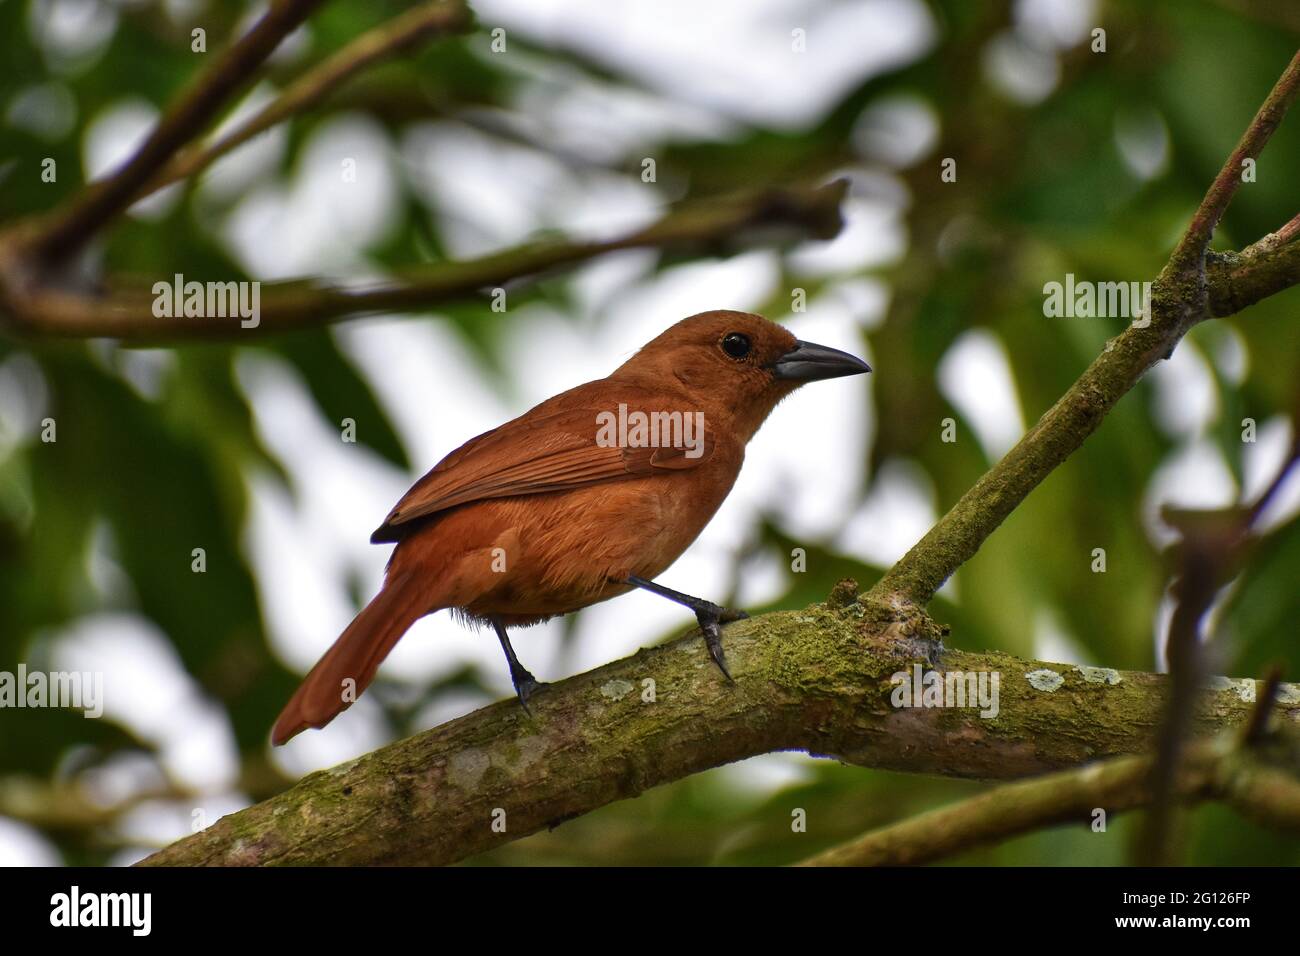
(589,495)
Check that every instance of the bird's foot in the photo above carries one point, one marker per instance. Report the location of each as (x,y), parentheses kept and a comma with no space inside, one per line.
(525,685)
(711,616)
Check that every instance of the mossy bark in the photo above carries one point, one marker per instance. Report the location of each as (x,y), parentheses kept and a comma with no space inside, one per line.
(817,680)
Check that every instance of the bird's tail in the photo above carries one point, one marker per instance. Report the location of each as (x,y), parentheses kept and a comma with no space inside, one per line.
(349,665)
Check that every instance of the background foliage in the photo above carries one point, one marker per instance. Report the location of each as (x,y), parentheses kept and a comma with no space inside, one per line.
(1095,177)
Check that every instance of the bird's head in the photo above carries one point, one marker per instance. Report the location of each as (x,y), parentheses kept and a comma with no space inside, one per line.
(736,362)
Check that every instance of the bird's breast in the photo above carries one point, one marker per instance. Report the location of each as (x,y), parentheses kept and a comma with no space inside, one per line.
(571,549)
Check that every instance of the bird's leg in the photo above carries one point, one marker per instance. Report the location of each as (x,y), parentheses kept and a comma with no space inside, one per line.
(709,615)
(525,683)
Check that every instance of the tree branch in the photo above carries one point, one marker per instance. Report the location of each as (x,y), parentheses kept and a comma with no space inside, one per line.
(127,313)
(1210,770)
(1238,280)
(1190,252)
(1189,289)
(65,230)
(1287,233)
(817,680)
(1211,550)
(374,46)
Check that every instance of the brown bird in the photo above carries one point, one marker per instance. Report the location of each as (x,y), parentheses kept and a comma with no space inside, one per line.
(592,493)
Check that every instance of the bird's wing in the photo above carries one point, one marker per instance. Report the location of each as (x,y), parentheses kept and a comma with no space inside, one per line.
(533,455)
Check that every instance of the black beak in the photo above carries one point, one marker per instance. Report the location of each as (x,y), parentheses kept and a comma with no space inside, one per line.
(808,362)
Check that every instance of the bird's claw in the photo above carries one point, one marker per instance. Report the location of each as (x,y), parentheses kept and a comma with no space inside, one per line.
(711,617)
(525,686)
(713,641)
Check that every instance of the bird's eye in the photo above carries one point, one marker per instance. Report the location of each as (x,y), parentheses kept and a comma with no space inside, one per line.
(736,345)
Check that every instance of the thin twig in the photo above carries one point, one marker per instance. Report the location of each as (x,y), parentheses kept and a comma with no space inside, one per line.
(1288,232)
(1211,769)
(1190,253)
(1261,717)
(384,41)
(1194,591)
(1068,797)
(1277,239)
(68,228)
(1288,465)
(1211,553)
